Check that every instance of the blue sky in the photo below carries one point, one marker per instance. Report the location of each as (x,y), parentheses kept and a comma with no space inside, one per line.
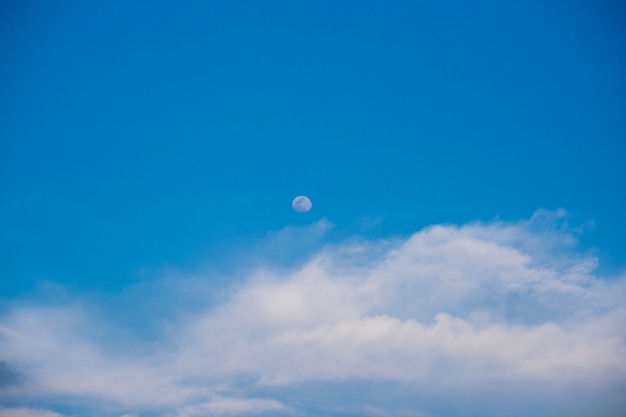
(149,154)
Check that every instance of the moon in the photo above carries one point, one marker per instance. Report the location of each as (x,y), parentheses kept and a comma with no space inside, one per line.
(301,204)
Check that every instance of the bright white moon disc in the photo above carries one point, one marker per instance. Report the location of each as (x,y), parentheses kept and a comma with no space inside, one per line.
(301,204)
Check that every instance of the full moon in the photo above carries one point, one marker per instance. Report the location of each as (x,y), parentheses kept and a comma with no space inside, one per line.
(301,204)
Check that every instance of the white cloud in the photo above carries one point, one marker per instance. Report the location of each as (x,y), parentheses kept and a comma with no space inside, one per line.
(229,406)
(26,412)
(482,305)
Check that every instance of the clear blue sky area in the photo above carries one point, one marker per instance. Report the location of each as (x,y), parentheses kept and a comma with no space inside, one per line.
(139,133)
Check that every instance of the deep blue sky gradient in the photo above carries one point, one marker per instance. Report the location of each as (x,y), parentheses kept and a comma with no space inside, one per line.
(139,135)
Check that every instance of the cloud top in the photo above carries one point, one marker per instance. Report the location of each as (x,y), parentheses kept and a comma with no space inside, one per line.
(485,306)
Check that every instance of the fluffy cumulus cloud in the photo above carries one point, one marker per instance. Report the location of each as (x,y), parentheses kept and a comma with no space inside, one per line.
(485,318)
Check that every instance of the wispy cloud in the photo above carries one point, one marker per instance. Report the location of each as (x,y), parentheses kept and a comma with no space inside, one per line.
(27,412)
(484,306)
